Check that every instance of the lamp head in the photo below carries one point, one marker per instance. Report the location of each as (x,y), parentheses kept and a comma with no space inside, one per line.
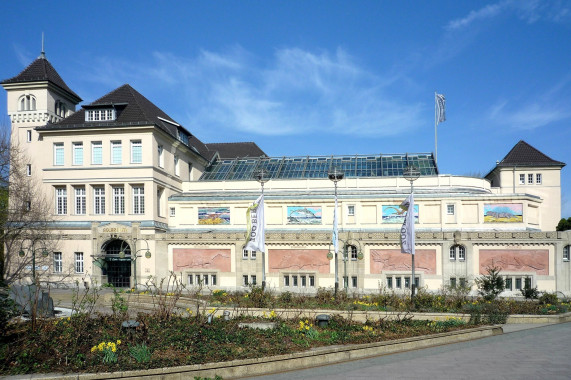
(411,173)
(335,174)
(261,175)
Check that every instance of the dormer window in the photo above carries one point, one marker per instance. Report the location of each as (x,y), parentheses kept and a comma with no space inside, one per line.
(61,109)
(100,115)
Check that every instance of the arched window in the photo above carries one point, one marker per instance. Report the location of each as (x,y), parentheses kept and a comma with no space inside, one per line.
(60,109)
(352,252)
(458,251)
(27,103)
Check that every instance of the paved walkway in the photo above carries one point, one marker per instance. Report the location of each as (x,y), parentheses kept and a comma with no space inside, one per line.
(523,352)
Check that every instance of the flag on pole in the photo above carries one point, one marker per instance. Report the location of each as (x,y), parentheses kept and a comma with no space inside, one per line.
(255,238)
(440,108)
(335,236)
(407,229)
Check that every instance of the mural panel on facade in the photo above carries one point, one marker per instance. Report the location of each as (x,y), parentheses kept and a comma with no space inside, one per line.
(190,258)
(213,215)
(516,260)
(383,260)
(303,215)
(395,214)
(310,260)
(503,213)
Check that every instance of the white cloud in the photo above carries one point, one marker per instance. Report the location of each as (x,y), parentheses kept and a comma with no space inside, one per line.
(529,116)
(488,12)
(294,92)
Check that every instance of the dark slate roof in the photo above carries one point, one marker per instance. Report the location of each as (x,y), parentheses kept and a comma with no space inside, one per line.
(132,109)
(523,154)
(236,149)
(41,70)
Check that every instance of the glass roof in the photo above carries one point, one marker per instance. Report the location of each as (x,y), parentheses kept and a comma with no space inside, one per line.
(382,165)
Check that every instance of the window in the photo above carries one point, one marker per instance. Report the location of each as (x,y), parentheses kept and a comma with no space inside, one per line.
(213,279)
(60,109)
(522,179)
(351,210)
(450,209)
(100,115)
(78,153)
(78,262)
(452,282)
(96,153)
(508,283)
(538,179)
(303,281)
(176,166)
(407,282)
(389,282)
(80,204)
(458,251)
(29,135)
(118,200)
(245,253)
(312,281)
(518,283)
(566,251)
(354,281)
(416,282)
(530,179)
(99,200)
(286,280)
(527,282)
(462,282)
(27,103)
(253,280)
(461,253)
(204,279)
(138,200)
(61,200)
(58,154)
(172,211)
(161,157)
(398,282)
(136,152)
(245,280)
(294,280)
(352,252)
(116,152)
(190,279)
(58,263)
(28,170)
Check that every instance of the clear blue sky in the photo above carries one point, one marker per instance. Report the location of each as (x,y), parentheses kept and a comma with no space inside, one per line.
(322,77)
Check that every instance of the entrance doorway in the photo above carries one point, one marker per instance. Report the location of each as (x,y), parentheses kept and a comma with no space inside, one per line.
(118,265)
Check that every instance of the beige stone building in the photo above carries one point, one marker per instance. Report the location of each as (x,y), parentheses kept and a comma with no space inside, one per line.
(136,195)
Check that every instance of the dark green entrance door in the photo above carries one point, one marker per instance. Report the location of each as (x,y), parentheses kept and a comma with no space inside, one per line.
(119,273)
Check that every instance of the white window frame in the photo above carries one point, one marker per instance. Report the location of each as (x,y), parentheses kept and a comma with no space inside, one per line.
(99,200)
(80,200)
(350,210)
(77,153)
(58,262)
(116,146)
(450,209)
(59,154)
(172,211)
(106,114)
(161,153)
(286,280)
(138,199)
(538,178)
(118,200)
(245,254)
(96,153)
(530,179)
(79,267)
(244,280)
(452,253)
(461,253)
(136,152)
(29,135)
(28,170)
(253,280)
(566,252)
(522,179)
(61,200)
(352,252)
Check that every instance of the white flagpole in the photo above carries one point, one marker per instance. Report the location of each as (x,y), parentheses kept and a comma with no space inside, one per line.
(435,129)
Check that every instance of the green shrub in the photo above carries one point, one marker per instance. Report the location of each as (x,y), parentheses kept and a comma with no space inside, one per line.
(141,353)
(548,298)
(491,284)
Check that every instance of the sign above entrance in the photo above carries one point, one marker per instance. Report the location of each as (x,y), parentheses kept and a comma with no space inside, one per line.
(114,228)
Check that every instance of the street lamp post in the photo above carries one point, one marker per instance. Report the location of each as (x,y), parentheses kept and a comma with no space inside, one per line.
(45,253)
(336,175)
(262,176)
(411,174)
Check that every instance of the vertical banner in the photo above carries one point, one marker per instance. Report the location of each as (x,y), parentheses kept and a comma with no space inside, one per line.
(407,229)
(255,239)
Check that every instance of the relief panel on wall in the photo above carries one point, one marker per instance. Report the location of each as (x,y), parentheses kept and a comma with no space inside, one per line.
(383,260)
(190,258)
(516,260)
(503,213)
(313,260)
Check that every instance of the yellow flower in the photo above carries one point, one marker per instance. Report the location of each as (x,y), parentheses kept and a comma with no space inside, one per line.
(119,342)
